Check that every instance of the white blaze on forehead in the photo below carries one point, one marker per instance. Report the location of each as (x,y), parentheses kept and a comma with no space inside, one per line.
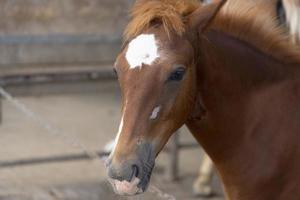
(142,50)
(155,112)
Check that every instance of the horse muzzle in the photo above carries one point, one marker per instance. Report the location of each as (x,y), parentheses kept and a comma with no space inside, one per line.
(131,176)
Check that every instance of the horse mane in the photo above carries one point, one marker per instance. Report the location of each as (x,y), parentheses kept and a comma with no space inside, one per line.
(254,22)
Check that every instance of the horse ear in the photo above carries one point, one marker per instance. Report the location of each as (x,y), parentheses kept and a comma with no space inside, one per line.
(201,17)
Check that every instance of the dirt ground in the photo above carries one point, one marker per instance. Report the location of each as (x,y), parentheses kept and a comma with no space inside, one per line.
(90,113)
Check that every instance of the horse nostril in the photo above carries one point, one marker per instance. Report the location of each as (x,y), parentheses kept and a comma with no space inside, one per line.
(135,171)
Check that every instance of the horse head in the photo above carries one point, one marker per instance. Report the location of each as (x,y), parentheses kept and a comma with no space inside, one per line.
(156,73)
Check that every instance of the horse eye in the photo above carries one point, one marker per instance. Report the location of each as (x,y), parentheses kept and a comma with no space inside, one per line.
(177,74)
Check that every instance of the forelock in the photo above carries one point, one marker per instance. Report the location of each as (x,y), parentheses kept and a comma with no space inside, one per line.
(170,13)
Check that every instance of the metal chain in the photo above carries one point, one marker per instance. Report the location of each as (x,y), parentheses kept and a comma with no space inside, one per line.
(52,130)
(47,126)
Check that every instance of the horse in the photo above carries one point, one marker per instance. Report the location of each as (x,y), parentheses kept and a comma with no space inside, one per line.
(288,15)
(229,76)
(202,185)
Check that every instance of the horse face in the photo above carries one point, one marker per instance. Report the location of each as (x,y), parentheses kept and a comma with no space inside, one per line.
(156,77)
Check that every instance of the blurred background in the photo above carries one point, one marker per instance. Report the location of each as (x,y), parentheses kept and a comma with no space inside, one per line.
(56,57)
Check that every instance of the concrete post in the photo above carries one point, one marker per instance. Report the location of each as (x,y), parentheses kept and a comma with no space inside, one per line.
(174,157)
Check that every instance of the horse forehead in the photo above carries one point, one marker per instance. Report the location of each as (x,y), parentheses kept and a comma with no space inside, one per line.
(144,49)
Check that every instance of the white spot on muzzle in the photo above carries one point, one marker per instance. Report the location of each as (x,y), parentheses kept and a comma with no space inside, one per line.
(142,50)
(127,188)
(155,112)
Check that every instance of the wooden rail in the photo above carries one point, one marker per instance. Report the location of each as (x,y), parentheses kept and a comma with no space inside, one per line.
(17,75)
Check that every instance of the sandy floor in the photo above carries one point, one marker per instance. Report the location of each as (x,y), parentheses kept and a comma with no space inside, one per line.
(91,118)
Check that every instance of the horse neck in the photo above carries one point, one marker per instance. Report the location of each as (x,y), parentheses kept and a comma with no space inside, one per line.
(236,86)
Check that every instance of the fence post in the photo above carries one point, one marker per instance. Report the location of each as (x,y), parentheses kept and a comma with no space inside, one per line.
(1,110)
(1,102)
(174,156)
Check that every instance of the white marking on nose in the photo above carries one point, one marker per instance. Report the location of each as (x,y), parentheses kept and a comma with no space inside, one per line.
(118,135)
(119,131)
(142,50)
(155,112)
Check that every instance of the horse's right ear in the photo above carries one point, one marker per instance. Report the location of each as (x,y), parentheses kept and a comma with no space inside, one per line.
(201,17)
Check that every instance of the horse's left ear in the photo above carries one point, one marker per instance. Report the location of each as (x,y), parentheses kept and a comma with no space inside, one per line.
(201,18)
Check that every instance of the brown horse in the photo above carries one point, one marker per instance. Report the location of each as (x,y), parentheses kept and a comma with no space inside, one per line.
(288,15)
(232,78)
